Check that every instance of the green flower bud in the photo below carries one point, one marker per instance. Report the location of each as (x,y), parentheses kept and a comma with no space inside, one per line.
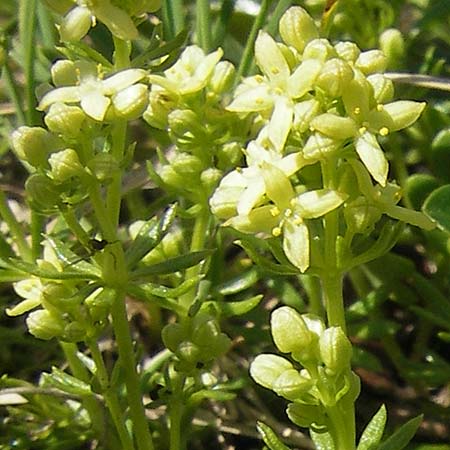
(65,165)
(392,44)
(383,88)
(318,146)
(33,145)
(319,49)
(335,349)
(304,112)
(43,193)
(229,155)
(159,107)
(361,216)
(222,77)
(266,368)
(186,164)
(74,332)
(291,384)
(185,124)
(172,245)
(64,73)
(306,415)
(103,166)
(64,119)
(59,297)
(334,77)
(289,330)
(171,177)
(131,102)
(348,51)
(297,28)
(189,352)
(60,6)
(334,126)
(75,24)
(172,335)
(44,325)
(371,61)
(100,303)
(210,178)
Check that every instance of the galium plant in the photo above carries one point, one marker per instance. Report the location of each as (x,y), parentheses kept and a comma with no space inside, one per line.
(290,160)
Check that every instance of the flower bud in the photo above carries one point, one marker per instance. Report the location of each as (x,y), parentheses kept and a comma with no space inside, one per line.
(172,335)
(318,146)
(371,61)
(334,77)
(131,102)
(222,77)
(59,297)
(44,325)
(348,51)
(334,126)
(210,178)
(75,24)
(65,165)
(319,49)
(103,166)
(392,44)
(184,124)
(297,28)
(171,177)
(266,368)
(360,216)
(64,119)
(189,352)
(306,415)
(289,330)
(186,164)
(74,332)
(291,385)
(335,349)
(383,88)
(64,73)
(33,145)
(100,303)
(229,155)
(43,193)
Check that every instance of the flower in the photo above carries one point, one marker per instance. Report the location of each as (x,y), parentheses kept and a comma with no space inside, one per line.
(82,17)
(94,93)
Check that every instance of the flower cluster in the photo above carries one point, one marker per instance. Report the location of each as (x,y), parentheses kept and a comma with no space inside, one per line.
(318,108)
(323,380)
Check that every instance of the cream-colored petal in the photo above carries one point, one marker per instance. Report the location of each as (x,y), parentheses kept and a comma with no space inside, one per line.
(121,80)
(302,79)
(95,105)
(256,99)
(23,307)
(69,94)
(334,126)
(280,123)
(296,244)
(373,157)
(313,204)
(404,113)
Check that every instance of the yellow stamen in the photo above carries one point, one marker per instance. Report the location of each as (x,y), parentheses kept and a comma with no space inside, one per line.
(380,107)
(357,110)
(276,231)
(288,212)
(384,131)
(362,130)
(274,211)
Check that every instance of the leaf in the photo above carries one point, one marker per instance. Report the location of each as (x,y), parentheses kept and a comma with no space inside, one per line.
(240,283)
(418,187)
(65,382)
(374,430)
(172,265)
(437,207)
(402,436)
(80,50)
(269,437)
(322,441)
(230,309)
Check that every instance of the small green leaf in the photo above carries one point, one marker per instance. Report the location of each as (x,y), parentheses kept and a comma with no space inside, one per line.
(418,187)
(322,441)
(230,309)
(269,437)
(440,155)
(374,430)
(240,283)
(65,382)
(437,207)
(402,436)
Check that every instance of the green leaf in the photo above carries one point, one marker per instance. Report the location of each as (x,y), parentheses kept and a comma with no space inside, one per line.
(322,441)
(402,436)
(374,430)
(440,155)
(230,309)
(437,207)
(172,265)
(418,187)
(269,437)
(65,382)
(150,235)
(240,283)
(80,50)
(141,293)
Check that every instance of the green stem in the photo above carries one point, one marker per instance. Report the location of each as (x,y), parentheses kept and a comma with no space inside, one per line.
(15,228)
(37,223)
(128,364)
(204,25)
(199,235)
(102,214)
(247,55)
(110,397)
(96,413)
(176,409)
(27,29)
(172,17)
(342,430)
(14,95)
(311,285)
(333,299)
(77,229)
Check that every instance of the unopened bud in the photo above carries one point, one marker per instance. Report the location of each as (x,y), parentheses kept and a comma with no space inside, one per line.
(297,28)
(42,191)
(222,77)
(348,51)
(392,44)
(130,103)
(64,73)
(65,120)
(44,325)
(266,368)
(186,164)
(372,61)
(383,88)
(334,77)
(75,24)
(210,178)
(103,166)
(319,49)
(65,165)
(335,349)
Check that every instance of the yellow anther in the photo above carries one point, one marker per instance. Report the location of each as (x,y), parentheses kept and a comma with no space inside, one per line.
(259,79)
(278,91)
(362,130)
(274,211)
(275,70)
(259,101)
(384,131)
(276,231)
(288,212)
(357,110)
(297,220)
(380,107)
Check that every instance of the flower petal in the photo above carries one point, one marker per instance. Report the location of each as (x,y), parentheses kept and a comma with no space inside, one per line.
(334,126)
(255,99)
(278,186)
(296,244)
(301,81)
(372,157)
(122,80)
(280,122)
(313,204)
(69,94)
(404,113)
(95,105)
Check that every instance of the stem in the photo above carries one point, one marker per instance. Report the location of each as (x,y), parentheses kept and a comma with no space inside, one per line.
(15,228)
(128,363)
(342,430)
(312,287)
(172,17)
(27,28)
(110,397)
(204,25)
(14,95)
(175,424)
(333,299)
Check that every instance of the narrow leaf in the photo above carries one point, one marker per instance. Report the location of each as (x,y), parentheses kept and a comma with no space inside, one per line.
(373,432)
(402,436)
(269,437)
